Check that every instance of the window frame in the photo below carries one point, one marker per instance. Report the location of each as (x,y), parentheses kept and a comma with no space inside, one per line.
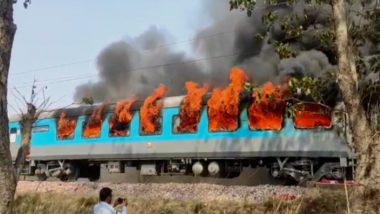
(129,126)
(317,127)
(84,123)
(275,130)
(179,133)
(226,131)
(142,133)
(76,124)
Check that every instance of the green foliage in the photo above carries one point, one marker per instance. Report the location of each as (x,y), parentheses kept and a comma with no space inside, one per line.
(88,100)
(247,5)
(292,30)
(326,37)
(374,64)
(248,86)
(364,32)
(269,18)
(284,50)
(307,86)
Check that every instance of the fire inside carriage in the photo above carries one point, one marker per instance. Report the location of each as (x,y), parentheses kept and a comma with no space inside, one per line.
(197,134)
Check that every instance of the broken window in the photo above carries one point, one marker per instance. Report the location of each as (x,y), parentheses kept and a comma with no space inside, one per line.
(176,126)
(119,127)
(312,115)
(93,125)
(157,128)
(65,127)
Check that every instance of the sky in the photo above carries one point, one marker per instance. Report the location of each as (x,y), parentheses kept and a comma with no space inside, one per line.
(57,42)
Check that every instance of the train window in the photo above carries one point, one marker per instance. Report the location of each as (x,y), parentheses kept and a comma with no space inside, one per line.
(259,119)
(176,129)
(66,127)
(312,115)
(119,128)
(91,130)
(157,131)
(225,124)
(13,135)
(40,128)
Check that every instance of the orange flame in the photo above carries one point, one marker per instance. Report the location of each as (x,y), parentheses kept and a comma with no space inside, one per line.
(121,118)
(94,123)
(223,106)
(66,127)
(191,107)
(151,110)
(267,108)
(312,115)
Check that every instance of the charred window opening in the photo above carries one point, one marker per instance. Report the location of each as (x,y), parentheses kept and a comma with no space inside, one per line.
(156,131)
(267,108)
(224,105)
(118,128)
(150,112)
(120,121)
(190,109)
(93,125)
(66,127)
(178,129)
(263,119)
(91,129)
(312,115)
(228,123)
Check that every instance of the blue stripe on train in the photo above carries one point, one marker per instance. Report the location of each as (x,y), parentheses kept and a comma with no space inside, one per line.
(49,138)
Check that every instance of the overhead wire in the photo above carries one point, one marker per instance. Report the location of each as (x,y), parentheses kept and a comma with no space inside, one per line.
(147,67)
(145,50)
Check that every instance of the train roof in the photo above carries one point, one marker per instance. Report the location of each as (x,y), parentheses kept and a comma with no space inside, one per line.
(168,102)
(75,111)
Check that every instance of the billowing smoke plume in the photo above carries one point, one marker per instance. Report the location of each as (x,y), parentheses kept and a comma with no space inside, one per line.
(136,68)
(232,38)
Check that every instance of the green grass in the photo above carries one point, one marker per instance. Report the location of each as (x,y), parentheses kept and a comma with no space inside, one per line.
(315,201)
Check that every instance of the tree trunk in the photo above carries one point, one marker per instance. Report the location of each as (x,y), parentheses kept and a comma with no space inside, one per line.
(23,151)
(7,173)
(26,122)
(363,139)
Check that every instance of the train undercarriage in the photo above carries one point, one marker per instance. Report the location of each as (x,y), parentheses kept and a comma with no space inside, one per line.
(288,169)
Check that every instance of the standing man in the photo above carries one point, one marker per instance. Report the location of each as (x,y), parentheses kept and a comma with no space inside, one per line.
(105,199)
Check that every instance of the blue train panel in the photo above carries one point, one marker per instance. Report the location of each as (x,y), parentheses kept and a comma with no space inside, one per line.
(241,143)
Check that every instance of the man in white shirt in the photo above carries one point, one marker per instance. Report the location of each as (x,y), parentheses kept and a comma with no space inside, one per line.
(104,206)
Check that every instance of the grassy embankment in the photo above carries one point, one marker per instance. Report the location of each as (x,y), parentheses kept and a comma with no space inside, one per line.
(314,201)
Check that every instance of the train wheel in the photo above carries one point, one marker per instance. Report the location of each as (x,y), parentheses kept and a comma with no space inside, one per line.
(73,176)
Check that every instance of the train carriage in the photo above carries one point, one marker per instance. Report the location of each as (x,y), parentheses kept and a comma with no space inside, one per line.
(291,153)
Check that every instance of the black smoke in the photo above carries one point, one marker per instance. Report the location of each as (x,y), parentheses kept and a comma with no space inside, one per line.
(232,38)
(136,68)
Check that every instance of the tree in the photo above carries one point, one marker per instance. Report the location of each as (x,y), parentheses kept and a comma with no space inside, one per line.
(7,173)
(33,109)
(368,163)
(8,179)
(354,64)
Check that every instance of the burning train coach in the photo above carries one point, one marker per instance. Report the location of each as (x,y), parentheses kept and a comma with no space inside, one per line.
(199,134)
